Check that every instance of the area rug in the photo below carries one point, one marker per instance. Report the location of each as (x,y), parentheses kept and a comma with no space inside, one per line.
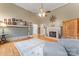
(27,47)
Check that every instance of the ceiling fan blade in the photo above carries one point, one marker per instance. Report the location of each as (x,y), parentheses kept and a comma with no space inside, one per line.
(48,11)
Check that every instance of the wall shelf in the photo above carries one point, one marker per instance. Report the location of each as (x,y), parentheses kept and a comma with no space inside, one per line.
(18,26)
(13,22)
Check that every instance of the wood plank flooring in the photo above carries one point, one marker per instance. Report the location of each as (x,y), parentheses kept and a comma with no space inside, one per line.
(9,49)
(48,39)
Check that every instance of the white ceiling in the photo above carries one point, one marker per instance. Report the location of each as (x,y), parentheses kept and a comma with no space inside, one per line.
(34,7)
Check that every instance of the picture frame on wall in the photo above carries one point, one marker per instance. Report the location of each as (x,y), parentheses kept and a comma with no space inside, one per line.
(14,21)
(5,21)
(9,22)
(17,22)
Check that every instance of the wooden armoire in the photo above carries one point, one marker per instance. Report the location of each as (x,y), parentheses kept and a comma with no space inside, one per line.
(71,28)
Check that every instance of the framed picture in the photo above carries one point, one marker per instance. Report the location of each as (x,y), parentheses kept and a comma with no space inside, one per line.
(9,22)
(6,21)
(14,21)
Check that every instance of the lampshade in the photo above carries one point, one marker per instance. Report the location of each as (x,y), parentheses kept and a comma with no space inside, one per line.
(3,24)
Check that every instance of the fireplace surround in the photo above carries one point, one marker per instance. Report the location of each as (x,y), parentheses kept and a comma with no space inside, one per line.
(52,34)
(53,31)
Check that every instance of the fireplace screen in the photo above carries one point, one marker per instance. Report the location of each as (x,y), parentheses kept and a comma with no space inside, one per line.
(52,34)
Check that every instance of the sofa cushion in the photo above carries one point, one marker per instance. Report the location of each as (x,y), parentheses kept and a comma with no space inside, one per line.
(72,46)
(54,49)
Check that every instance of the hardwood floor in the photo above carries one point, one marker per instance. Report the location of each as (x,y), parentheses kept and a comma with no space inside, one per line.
(9,49)
(48,39)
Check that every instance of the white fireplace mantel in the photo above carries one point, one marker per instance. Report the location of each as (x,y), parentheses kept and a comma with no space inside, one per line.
(44,30)
(55,29)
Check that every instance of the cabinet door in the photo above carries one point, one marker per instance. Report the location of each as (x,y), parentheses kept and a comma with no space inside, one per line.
(66,29)
(78,28)
(75,28)
(70,28)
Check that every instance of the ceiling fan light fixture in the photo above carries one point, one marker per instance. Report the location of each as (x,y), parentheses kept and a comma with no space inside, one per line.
(41,11)
(42,14)
(39,14)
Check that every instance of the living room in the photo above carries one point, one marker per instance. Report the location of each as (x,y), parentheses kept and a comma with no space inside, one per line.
(37,27)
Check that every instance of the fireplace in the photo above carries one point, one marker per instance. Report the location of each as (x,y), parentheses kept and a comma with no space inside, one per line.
(52,34)
(53,31)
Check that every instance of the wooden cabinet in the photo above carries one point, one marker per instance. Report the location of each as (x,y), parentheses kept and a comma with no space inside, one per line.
(78,28)
(71,28)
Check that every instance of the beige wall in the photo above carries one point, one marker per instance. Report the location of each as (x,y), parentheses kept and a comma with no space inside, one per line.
(10,10)
(66,12)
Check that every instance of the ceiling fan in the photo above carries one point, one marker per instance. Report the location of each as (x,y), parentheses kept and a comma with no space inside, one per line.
(47,12)
(42,12)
